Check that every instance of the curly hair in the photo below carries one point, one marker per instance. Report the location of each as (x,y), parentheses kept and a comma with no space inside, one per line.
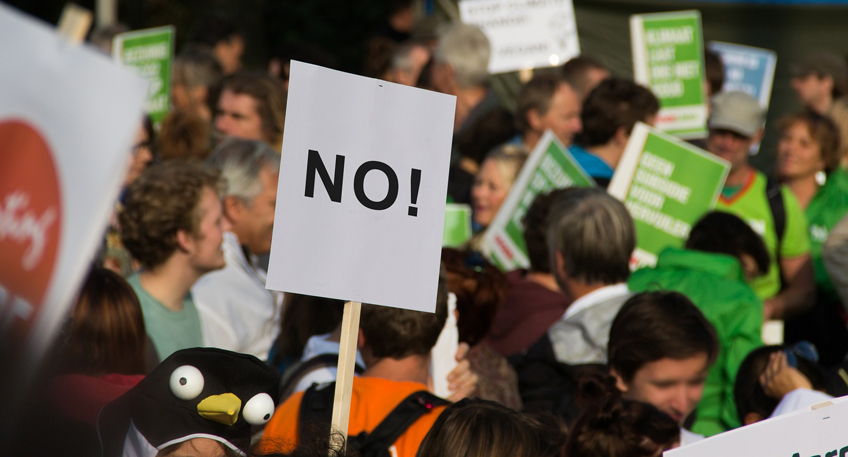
(161,202)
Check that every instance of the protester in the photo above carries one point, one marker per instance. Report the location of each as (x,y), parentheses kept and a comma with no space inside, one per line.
(534,301)
(590,238)
(407,62)
(608,116)
(223,38)
(735,124)
(173,225)
(237,312)
(808,164)
(616,427)
(195,71)
(547,102)
(184,135)
(660,350)
(720,254)
(253,106)
(820,81)
(583,74)
(480,289)
(304,318)
(480,428)
(494,181)
(714,71)
(395,345)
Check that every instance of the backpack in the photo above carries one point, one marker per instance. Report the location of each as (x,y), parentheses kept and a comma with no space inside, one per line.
(297,371)
(316,409)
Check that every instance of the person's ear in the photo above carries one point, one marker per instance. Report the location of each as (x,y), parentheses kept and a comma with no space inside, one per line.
(185,241)
(559,264)
(621,136)
(619,382)
(233,208)
(757,136)
(752,418)
(361,341)
(534,119)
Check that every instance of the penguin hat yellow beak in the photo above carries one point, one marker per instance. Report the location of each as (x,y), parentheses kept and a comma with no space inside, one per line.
(222,408)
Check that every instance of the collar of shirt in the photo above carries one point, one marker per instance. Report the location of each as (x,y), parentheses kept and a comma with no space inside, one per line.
(596,296)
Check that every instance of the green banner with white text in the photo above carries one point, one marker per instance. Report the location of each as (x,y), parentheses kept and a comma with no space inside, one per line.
(150,53)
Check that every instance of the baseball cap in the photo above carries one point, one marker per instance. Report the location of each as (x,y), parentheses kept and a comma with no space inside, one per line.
(738,112)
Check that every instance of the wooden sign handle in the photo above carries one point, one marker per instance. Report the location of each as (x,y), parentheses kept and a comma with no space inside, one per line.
(74,23)
(344,375)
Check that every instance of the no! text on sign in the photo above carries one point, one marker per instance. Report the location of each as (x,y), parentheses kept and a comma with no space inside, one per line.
(363,184)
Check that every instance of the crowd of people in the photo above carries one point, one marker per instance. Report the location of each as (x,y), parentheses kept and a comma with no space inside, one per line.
(174,346)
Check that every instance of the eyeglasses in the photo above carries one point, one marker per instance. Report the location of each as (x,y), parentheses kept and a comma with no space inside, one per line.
(803,349)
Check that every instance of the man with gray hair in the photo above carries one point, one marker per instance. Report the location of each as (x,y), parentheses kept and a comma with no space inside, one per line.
(236,311)
(407,62)
(461,68)
(591,238)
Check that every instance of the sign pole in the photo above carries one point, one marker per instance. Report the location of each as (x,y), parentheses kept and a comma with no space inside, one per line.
(344,374)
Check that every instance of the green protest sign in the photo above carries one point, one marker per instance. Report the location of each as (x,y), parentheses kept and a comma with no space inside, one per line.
(457,225)
(550,166)
(150,52)
(668,57)
(667,185)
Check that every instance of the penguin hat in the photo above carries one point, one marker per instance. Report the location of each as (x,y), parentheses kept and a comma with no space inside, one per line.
(195,393)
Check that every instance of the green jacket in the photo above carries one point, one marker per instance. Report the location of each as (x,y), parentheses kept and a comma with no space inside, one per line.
(826,208)
(715,283)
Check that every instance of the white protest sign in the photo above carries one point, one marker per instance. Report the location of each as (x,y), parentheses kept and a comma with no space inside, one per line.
(363,184)
(68,116)
(820,432)
(524,33)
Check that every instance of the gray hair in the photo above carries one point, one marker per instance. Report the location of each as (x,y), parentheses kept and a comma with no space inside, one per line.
(594,233)
(402,57)
(240,162)
(197,66)
(465,48)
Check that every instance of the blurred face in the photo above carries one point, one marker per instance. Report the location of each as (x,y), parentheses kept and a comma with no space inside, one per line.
(141,156)
(229,53)
(488,193)
(798,153)
(730,146)
(237,116)
(672,386)
(204,248)
(253,223)
(563,116)
(811,88)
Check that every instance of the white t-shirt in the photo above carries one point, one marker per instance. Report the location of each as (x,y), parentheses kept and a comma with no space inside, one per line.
(315,346)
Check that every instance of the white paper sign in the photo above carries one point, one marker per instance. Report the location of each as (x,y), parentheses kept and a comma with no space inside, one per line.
(363,184)
(524,33)
(819,432)
(68,116)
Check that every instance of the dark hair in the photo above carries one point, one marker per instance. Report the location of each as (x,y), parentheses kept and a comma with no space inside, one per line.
(724,233)
(398,333)
(748,393)
(823,131)
(536,95)
(714,69)
(211,30)
(184,135)
(161,202)
(616,103)
(616,427)
(107,332)
(270,96)
(483,428)
(594,233)
(378,57)
(658,325)
(305,316)
(480,290)
(491,130)
(575,70)
(535,229)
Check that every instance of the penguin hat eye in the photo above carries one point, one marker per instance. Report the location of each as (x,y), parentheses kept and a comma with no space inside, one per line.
(259,409)
(186,382)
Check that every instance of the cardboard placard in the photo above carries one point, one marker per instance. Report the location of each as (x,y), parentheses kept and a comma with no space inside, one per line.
(818,431)
(363,184)
(667,185)
(524,34)
(550,166)
(67,120)
(668,57)
(151,53)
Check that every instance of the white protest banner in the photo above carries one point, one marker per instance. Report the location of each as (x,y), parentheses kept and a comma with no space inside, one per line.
(819,431)
(668,57)
(550,166)
(524,33)
(667,185)
(363,185)
(68,116)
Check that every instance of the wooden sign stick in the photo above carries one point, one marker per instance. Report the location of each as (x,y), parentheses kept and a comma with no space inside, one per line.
(344,374)
(74,23)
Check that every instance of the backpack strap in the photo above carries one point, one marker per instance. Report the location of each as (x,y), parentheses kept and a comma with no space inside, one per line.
(295,373)
(315,415)
(778,210)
